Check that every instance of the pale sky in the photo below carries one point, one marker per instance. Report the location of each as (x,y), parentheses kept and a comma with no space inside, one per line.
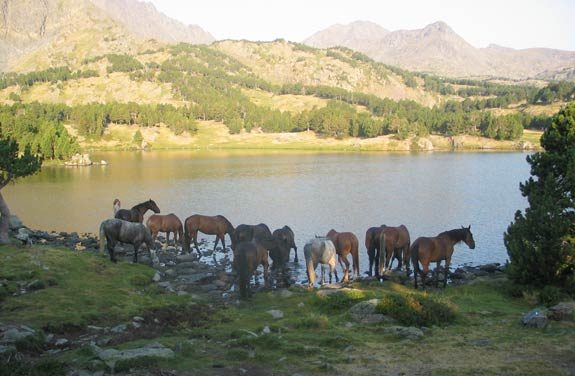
(509,23)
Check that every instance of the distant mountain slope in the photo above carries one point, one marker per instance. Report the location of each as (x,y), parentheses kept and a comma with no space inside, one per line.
(36,34)
(144,20)
(438,49)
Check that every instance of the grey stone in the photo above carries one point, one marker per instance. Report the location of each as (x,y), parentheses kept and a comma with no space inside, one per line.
(266,330)
(61,342)
(366,313)
(562,312)
(276,313)
(36,284)
(407,332)
(17,333)
(170,273)
(536,318)
(15,222)
(138,318)
(119,328)
(283,293)
(112,356)
(4,349)
(157,277)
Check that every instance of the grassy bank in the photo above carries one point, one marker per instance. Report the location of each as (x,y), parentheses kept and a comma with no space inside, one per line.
(213,135)
(468,329)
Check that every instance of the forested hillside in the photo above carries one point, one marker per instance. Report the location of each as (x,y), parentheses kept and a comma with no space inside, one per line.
(177,85)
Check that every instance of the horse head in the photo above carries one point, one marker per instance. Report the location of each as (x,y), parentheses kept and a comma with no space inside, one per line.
(469,237)
(151,204)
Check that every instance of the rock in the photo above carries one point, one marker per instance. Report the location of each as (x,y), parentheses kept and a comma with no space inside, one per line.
(119,328)
(4,349)
(79,247)
(266,330)
(535,318)
(24,235)
(489,268)
(365,312)
(276,313)
(157,277)
(36,284)
(138,318)
(15,223)
(14,334)
(407,332)
(563,311)
(153,350)
(424,144)
(79,160)
(103,162)
(61,342)
(283,293)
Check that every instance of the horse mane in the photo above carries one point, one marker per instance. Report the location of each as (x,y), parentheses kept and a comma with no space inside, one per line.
(458,234)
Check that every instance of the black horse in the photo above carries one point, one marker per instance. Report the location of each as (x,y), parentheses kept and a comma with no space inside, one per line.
(117,230)
(286,234)
(136,213)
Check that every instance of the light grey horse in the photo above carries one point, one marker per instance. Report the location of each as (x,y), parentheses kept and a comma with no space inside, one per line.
(117,230)
(320,251)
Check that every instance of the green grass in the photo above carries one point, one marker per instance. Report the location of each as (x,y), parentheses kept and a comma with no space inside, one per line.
(82,288)
(316,336)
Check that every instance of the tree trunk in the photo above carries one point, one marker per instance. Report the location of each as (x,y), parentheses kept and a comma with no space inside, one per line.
(4,221)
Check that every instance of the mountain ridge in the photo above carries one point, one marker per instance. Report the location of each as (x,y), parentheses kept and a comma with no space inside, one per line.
(437,48)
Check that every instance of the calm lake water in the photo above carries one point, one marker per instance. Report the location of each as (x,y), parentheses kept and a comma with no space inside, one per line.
(310,192)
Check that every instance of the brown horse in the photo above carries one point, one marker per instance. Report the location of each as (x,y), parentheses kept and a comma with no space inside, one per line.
(288,236)
(372,244)
(248,255)
(166,223)
(393,243)
(277,246)
(217,225)
(345,243)
(427,250)
(136,213)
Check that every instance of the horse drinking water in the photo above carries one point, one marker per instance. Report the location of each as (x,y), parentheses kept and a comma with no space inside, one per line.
(117,230)
(136,213)
(345,243)
(393,243)
(319,251)
(436,249)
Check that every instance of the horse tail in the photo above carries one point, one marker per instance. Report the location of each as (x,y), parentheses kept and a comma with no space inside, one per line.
(244,275)
(355,256)
(102,238)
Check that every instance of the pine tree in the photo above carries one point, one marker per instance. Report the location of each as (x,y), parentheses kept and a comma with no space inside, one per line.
(12,166)
(541,242)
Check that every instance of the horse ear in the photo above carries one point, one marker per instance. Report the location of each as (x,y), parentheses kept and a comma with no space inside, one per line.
(469,227)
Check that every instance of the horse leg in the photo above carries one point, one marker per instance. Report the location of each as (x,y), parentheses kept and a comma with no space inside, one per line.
(437,273)
(323,275)
(110,244)
(194,236)
(136,248)
(216,243)
(346,273)
(295,252)
(446,273)
(424,271)
(371,256)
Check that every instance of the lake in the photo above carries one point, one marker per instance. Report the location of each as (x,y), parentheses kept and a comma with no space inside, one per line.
(311,192)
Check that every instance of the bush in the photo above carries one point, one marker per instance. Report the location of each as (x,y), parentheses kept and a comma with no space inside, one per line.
(313,321)
(550,295)
(338,301)
(416,310)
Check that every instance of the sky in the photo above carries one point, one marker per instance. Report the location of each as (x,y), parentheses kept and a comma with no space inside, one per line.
(510,23)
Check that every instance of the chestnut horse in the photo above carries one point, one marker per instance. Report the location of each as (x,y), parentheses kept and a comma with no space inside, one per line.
(345,243)
(136,213)
(427,250)
(166,223)
(217,225)
(372,244)
(248,255)
(393,243)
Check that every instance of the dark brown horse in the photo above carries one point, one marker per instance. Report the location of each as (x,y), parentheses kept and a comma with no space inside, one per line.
(136,214)
(345,243)
(394,242)
(217,225)
(278,247)
(166,223)
(426,250)
(372,245)
(248,255)
(285,233)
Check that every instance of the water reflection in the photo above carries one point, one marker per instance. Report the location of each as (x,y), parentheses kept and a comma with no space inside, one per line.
(310,192)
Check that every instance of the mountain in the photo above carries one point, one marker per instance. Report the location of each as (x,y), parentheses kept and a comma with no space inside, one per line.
(36,34)
(144,20)
(359,34)
(438,49)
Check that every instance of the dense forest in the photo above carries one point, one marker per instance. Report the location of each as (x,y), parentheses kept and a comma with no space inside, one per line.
(211,82)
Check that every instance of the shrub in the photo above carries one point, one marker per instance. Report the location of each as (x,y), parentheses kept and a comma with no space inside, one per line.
(338,301)
(416,310)
(550,295)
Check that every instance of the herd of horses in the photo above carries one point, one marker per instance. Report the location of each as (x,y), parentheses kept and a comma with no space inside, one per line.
(254,245)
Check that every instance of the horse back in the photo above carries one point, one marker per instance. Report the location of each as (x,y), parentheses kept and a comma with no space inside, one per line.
(430,249)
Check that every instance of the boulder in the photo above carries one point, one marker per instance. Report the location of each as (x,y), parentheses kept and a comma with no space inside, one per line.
(536,318)
(407,332)
(153,350)
(276,313)
(15,223)
(563,311)
(15,333)
(366,312)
